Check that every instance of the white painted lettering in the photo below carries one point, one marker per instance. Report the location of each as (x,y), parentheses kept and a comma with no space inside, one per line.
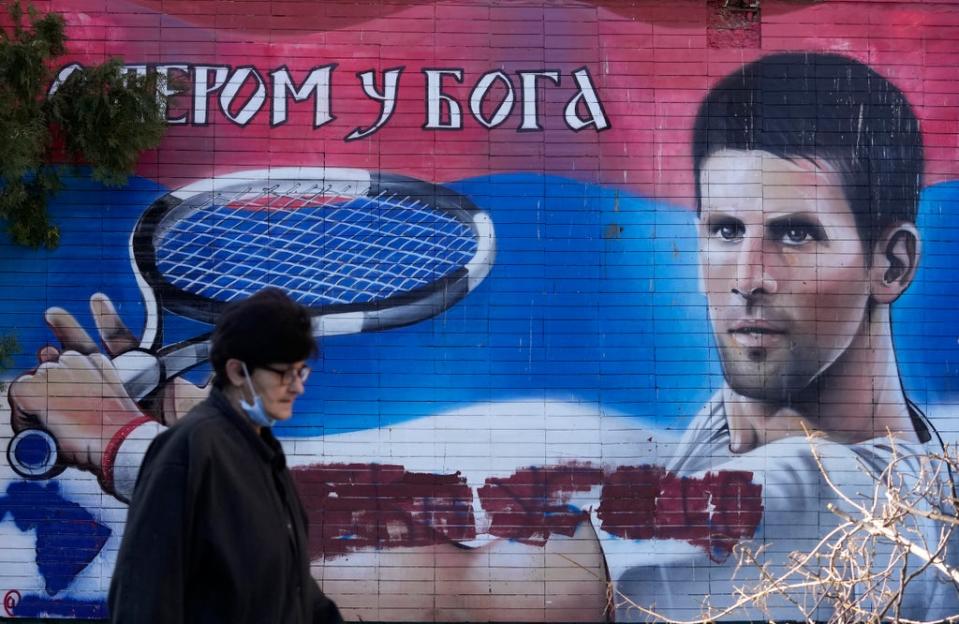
(202,88)
(530,99)
(167,91)
(232,88)
(62,76)
(387,99)
(588,97)
(317,84)
(479,93)
(436,99)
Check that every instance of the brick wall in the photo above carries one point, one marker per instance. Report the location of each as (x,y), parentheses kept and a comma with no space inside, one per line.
(577,382)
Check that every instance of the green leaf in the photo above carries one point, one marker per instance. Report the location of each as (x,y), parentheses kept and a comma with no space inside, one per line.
(103,115)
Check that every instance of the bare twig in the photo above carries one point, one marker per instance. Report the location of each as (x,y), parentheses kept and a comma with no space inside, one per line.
(861,569)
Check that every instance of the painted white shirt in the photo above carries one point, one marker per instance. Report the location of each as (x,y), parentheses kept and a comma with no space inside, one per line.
(495,439)
(677,579)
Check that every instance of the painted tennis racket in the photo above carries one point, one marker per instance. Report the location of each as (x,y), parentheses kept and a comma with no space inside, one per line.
(364,251)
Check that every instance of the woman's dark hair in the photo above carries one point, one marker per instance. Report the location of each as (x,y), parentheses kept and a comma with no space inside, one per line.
(265,328)
(827,108)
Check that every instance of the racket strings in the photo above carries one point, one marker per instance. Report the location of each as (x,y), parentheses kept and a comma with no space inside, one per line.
(183,251)
(353,234)
(267,199)
(239,265)
(366,264)
(322,251)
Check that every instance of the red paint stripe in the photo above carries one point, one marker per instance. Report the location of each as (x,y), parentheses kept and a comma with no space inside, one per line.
(360,506)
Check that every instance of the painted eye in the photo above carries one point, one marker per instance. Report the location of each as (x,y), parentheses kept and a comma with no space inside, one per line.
(796,235)
(729,231)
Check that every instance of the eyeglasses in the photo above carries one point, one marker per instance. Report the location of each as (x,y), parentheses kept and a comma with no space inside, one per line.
(287,376)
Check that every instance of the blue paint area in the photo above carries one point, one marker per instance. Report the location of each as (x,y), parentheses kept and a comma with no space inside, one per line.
(33,450)
(93,255)
(926,317)
(40,606)
(588,302)
(68,536)
(594,299)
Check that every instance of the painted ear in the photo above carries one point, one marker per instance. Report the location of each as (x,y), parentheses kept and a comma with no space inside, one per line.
(895,259)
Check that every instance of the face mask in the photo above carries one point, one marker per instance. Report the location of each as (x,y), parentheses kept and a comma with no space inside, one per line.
(255,410)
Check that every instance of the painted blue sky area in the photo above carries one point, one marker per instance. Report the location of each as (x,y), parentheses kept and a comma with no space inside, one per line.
(926,317)
(593,299)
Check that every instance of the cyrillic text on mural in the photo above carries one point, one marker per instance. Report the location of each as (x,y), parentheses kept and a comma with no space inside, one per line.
(239,94)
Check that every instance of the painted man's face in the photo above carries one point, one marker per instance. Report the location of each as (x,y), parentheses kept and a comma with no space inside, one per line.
(784,270)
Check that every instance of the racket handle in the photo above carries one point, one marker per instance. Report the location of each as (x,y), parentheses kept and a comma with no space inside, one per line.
(33,454)
(141,372)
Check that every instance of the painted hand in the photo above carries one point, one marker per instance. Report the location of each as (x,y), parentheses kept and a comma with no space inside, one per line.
(76,393)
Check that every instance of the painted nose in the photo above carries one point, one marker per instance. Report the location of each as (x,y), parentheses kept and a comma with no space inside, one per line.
(752,273)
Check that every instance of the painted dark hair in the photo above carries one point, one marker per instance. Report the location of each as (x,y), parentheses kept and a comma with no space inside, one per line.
(265,328)
(827,108)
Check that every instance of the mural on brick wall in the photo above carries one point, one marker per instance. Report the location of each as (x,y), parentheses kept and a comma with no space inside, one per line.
(583,273)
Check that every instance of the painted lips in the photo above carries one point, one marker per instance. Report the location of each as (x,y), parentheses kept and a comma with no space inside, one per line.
(754,333)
